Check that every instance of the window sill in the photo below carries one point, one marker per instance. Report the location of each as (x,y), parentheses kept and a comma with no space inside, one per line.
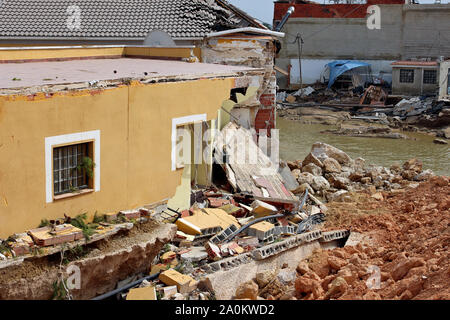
(72,194)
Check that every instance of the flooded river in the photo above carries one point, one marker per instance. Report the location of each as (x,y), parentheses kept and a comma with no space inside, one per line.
(296,140)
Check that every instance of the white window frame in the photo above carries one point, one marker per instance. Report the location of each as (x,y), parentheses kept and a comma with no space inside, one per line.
(73,138)
(176,122)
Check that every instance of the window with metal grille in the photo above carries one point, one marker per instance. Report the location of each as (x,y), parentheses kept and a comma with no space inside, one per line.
(407,75)
(68,173)
(429,76)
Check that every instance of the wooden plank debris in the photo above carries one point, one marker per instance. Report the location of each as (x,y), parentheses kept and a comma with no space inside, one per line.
(249,169)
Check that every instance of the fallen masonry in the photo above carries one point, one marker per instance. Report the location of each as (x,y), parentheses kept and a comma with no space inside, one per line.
(275,233)
(228,236)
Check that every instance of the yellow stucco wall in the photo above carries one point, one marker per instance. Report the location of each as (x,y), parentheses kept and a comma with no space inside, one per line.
(66,52)
(135,122)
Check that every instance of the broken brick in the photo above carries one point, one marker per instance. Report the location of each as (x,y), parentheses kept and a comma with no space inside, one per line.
(184,283)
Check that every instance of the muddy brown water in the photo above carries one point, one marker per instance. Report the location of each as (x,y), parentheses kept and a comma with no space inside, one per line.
(296,140)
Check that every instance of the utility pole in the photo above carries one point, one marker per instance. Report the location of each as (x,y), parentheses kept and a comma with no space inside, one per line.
(300,42)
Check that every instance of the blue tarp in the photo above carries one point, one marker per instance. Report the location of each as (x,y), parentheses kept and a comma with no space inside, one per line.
(338,67)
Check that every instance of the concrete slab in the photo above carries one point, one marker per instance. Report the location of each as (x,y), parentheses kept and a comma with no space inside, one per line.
(27,74)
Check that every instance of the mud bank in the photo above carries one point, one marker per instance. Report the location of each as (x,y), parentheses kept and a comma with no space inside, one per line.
(402,252)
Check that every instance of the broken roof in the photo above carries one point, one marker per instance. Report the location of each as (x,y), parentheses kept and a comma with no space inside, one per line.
(28,74)
(249,170)
(118,19)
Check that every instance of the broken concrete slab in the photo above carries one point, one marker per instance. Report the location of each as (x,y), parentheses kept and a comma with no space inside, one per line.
(196,254)
(262,209)
(288,178)
(170,291)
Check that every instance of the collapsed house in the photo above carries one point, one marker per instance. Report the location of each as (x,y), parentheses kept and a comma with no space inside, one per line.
(226,34)
(75,108)
(106,126)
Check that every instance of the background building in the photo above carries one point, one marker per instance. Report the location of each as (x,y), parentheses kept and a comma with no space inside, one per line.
(339,32)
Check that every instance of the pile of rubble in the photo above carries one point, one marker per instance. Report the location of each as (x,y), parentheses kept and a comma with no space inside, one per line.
(222,229)
(326,106)
(318,93)
(330,173)
(401,251)
(219,229)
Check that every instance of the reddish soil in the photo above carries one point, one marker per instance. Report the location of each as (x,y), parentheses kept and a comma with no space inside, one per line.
(407,238)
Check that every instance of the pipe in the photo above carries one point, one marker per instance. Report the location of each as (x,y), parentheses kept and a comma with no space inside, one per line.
(304,199)
(128,286)
(285,19)
(279,215)
(234,234)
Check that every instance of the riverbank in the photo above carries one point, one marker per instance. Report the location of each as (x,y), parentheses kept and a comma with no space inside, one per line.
(387,117)
(296,139)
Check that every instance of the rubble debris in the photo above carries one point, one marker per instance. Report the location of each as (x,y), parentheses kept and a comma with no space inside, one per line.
(262,209)
(170,291)
(404,237)
(195,254)
(206,222)
(157,268)
(304,92)
(374,95)
(262,230)
(145,293)
(412,107)
(223,234)
(48,236)
(130,214)
(234,210)
(261,180)
(248,242)
(440,141)
(373,105)
(248,290)
(184,283)
(213,251)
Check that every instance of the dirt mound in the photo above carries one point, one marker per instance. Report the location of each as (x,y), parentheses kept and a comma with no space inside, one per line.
(407,257)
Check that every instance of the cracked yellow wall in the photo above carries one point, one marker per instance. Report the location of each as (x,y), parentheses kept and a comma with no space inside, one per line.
(135,122)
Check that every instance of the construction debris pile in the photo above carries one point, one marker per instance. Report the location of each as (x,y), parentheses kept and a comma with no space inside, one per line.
(399,249)
(219,226)
(318,104)
(330,173)
(223,228)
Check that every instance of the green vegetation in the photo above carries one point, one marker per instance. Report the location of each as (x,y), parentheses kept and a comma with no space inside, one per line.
(87,165)
(98,218)
(4,248)
(59,291)
(75,253)
(88,228)
(44,223)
